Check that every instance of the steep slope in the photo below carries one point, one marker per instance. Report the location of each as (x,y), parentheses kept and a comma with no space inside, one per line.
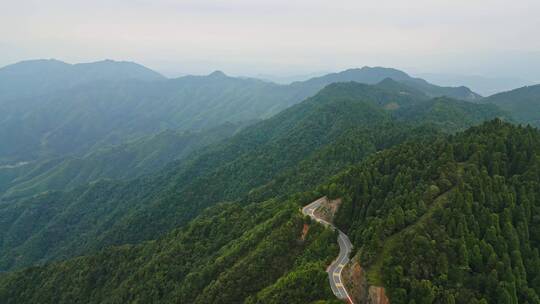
(135,158)
(452,221)
(522,103)
(293,151)
(230,254)
(449,220)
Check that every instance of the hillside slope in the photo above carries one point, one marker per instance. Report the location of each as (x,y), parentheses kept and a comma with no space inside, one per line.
(293,151)
(128,160)
(218,258)
(523,104)
(55,109)
(467,203)
(452,221)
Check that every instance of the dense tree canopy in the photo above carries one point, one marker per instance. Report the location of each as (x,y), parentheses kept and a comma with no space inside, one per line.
(400,178)
(453,221)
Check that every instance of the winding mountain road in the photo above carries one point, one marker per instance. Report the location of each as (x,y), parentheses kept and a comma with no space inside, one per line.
(345,247)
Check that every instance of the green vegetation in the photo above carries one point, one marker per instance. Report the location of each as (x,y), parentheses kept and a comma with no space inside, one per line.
(134,158)
(131,196)
(452,221)
(522,103)
(467,203)
(293,151)
(227,255)
(401,179)
(52,109)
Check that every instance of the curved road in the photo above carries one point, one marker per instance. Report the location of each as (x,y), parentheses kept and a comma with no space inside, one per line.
(345,247)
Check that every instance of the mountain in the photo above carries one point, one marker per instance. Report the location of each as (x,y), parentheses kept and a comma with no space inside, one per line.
(57,110)
(38,77)
(454,221)
(131,159)
(218,258)
(373,75)
(485,86)
(77,120)
(290,152)
(523,104)
(451,218)
(442,112)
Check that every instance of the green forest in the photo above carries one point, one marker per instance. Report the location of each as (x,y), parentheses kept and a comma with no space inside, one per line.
(439,190)
(291,152)
(454,221)
(467,202)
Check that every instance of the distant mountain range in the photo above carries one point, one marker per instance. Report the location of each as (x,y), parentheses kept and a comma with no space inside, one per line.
(38,77)
(265,171)
(375,75)
(52,109)
(486,86)
(145,155)
(124,189)
(289,152)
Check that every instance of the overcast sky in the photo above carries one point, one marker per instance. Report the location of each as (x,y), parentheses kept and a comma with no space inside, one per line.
(249,37)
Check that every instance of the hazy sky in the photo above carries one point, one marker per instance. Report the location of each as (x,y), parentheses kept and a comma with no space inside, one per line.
(483,37)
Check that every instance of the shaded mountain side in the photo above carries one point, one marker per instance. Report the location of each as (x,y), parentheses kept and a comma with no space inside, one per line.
(311,140)
(110,102)
(523,104)
(135,158)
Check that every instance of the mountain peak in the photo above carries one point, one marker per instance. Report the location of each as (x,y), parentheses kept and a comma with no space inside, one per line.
(35,64)
(217,74)
(43,76)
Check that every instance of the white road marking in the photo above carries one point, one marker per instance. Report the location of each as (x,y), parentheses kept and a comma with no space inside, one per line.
(343,241)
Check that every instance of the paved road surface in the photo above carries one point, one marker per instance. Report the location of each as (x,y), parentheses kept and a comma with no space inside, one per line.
(345,247)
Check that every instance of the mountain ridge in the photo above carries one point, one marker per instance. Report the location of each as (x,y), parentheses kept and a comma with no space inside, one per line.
(41,76)
(393,196)
(523,103)
(342,124)
(78,118)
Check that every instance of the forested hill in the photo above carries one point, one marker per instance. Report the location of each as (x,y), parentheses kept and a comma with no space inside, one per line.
(265,253)
(138,157)
(451,220)
(38,77)
(455,221)
(53,109)
(522,103)
(293,151)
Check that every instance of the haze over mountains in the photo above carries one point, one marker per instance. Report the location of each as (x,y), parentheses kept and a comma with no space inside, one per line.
(64,100)
(120,185)
(482,84)
(38,77)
